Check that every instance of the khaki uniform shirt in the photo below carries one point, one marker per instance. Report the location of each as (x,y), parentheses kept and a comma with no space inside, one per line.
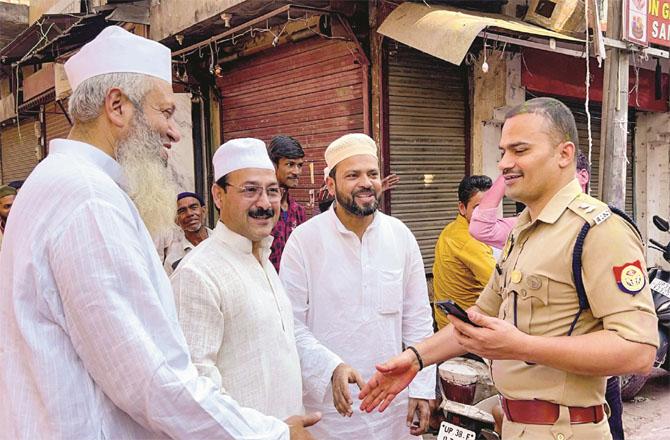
(535,273)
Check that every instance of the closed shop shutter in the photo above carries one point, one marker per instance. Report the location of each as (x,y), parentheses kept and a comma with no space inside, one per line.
(57,125)
(582,127)
(311,90)
(20,148)
(427,131)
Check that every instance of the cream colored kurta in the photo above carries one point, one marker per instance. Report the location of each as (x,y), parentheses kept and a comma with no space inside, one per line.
(238,323)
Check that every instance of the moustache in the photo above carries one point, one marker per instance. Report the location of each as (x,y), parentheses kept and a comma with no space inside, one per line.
(365,192)
(262,213)
(507,171)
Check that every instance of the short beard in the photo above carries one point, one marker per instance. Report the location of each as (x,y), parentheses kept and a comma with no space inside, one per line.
(149,182)
(348,202)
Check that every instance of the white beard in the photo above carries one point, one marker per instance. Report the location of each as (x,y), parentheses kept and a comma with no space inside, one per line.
(150,183)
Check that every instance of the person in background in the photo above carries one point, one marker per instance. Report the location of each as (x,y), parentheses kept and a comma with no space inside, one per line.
(7,195)
(191,212)
(287,155)
(462,265)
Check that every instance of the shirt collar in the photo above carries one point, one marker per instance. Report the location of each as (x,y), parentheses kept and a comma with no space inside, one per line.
(343,229)
(186,244)
(239,242)
(461,221)
(91,154)
(556,206)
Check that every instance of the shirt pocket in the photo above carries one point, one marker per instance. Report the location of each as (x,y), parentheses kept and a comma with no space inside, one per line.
(389,297)
(528,298)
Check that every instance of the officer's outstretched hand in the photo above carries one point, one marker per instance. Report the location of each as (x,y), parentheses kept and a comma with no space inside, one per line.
(390,378)
(493,339)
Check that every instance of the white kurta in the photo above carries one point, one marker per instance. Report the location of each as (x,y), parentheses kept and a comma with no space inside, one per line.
(90,345)
(176,249)
(238,323)
(363,300)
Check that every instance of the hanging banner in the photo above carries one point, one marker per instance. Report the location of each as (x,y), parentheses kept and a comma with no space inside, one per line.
(659,22)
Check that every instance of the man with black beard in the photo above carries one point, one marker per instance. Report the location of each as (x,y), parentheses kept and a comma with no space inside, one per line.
(356,279)
(90,343)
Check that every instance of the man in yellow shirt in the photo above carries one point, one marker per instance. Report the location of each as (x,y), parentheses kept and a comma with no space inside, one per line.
(462,265)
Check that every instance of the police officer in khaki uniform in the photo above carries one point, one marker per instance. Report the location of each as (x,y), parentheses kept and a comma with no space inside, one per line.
(549,360)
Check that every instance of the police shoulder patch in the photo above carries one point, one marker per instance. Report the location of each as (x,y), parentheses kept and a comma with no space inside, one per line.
(590,209)
(630,277)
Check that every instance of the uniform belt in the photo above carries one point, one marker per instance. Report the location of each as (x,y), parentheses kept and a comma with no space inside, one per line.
(541,412)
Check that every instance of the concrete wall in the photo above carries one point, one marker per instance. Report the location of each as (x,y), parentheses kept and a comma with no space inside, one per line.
(652,177)
(493,92)
(180,156)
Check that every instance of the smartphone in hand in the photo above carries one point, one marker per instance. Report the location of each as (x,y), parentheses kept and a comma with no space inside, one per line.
(451,308)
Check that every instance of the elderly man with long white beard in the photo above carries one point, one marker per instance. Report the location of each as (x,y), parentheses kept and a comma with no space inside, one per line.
(89,339)
(356,279)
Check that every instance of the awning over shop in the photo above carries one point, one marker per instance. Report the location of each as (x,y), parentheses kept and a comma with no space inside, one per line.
(555,74)
(448,33)
(51,36)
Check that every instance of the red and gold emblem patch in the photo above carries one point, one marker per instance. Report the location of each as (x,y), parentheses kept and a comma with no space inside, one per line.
(630,277)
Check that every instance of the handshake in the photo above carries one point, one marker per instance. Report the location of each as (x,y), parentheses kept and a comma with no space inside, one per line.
(342,376)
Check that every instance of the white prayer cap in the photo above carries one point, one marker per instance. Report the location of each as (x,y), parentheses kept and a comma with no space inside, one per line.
(240,153)
(115,50)
(349,145)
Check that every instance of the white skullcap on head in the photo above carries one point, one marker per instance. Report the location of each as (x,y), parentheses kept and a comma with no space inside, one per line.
(240,153)
(349,145)
(115,50)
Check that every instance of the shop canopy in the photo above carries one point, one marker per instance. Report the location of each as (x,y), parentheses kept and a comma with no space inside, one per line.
(447,33)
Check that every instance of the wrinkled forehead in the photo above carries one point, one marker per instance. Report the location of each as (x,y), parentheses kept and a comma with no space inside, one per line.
(187,201)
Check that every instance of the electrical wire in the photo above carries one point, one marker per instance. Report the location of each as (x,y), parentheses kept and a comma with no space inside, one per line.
(588,81)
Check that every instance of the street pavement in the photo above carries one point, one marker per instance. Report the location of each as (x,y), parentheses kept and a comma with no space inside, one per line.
(646,417)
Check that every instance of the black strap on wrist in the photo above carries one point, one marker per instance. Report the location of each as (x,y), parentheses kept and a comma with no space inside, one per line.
(418,356)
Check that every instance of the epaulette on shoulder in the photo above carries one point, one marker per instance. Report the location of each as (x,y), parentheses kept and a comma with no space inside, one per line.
(592,210)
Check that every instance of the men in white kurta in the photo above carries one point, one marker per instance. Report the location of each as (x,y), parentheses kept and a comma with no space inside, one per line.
(356,278)
(231,305)
(90,346)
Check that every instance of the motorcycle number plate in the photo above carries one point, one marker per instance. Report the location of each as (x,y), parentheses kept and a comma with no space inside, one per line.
(660,286)
(450,431)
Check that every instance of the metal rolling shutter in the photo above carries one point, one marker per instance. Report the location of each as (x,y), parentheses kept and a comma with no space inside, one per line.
(311,90)
(427,123)
(57,125)
(582,128)
(19,150)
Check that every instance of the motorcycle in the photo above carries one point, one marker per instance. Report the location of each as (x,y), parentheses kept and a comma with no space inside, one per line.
(659,282)
(468,399)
